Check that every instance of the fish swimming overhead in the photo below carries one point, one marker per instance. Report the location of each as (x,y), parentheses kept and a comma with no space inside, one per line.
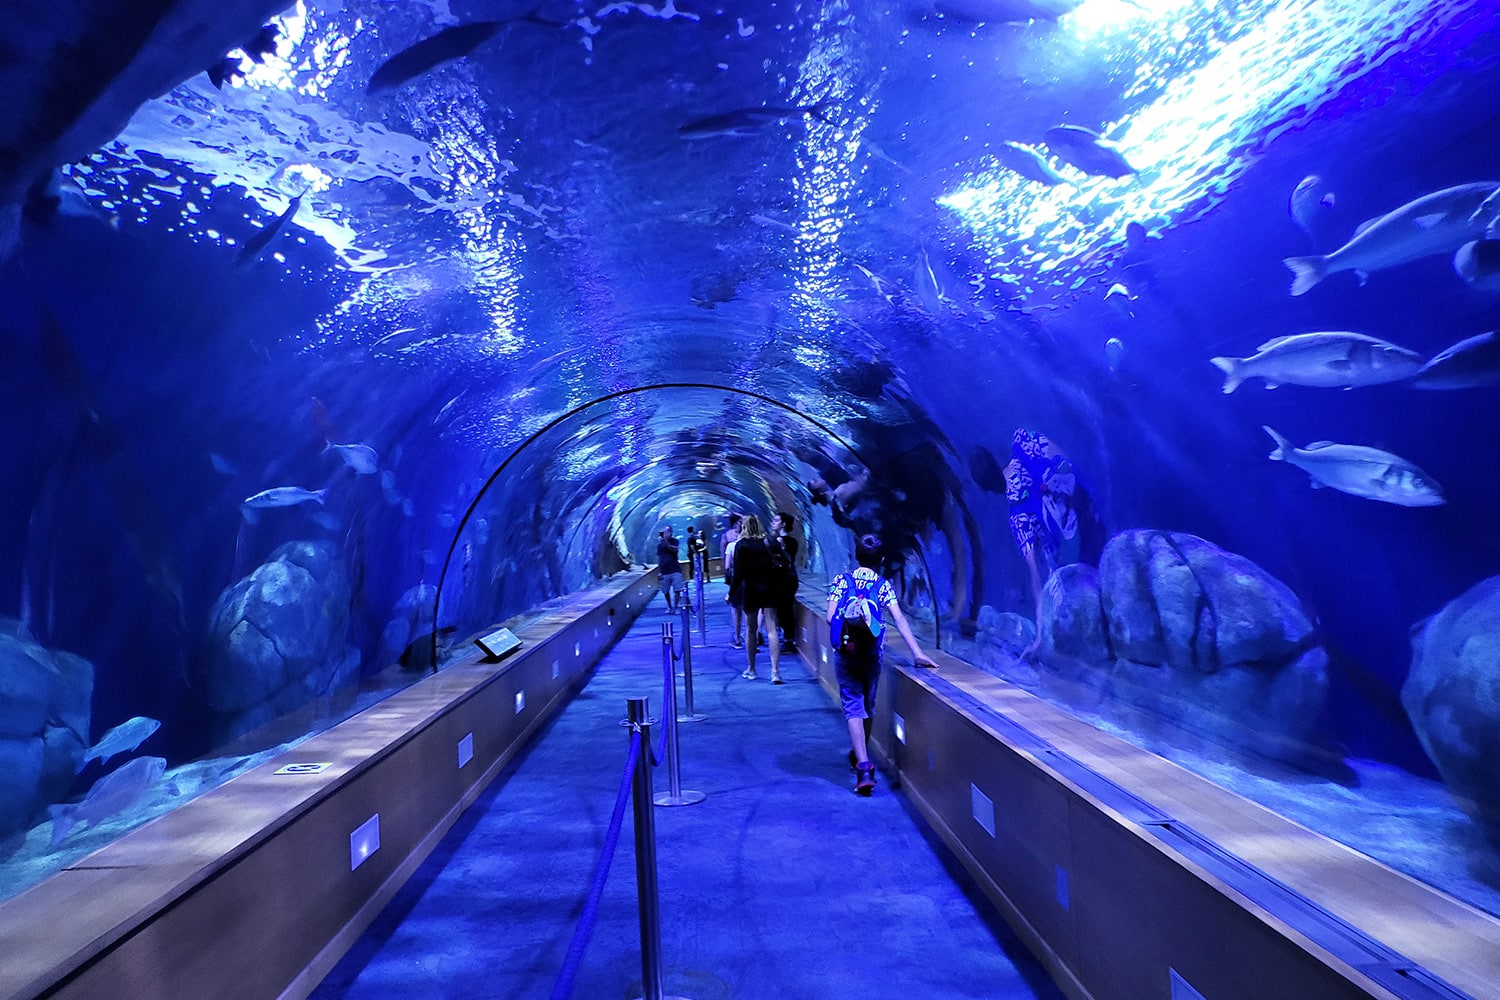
(280,496)
(359,457)
(112,793)
(1360,471)
(1029,162)
(257,243)
(1478,263)
(1310,203)
(1088,151)
(1439,222)
(748,121)
(125,736)
(445,46)
(1467,364)
(1334,359)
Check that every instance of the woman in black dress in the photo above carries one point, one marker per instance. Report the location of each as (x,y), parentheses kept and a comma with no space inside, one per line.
(754,573)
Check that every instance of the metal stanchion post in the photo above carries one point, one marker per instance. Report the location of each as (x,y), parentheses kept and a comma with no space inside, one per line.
(687,669)
(702,607)
(674,796)
(646,888)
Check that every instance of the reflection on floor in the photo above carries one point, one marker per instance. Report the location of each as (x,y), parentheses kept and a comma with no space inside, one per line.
(782,884)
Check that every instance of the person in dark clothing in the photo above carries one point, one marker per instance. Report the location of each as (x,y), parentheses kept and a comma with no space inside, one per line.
(735,597)
(782,526)
(670,569)
(756,576)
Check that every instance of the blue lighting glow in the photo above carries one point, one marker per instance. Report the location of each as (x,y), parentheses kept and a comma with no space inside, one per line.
(364,841)
(1212,104)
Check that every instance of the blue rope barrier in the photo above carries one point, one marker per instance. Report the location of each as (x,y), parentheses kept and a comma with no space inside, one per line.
(585,929)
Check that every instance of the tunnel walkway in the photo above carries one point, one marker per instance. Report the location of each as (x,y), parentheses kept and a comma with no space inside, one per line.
(781,884)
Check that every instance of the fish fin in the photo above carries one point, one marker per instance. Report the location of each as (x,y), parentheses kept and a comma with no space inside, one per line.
(320,496)
(1429,221)
(1341,364)
(1272,385)
(249,514)
(1306,272)
(1231,369)
(1363,277)
(1328,200)
(1283,446)
(1367,224)
(1276,341)
(1318,444)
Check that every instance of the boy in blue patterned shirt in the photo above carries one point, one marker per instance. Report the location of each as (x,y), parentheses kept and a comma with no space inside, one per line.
(860,606)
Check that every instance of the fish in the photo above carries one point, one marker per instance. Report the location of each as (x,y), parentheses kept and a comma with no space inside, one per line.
(1088,151)
(359,457)
(280,496)
(125,736)
(1333,359)
(1468,364)
(1478,263)
(222,465)
(1119,298)
(1114,353)
(116,791)
(60,196)
(1360,471)
(258,243)
(445,46)
(227,69)
(748,121)
(1029,162)
(1310,203)
(1005,11)
(1435,223)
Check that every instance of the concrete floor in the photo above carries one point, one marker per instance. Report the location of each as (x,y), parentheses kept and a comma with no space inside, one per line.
(783,884)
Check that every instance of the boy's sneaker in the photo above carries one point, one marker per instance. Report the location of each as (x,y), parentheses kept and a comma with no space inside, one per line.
(865,783)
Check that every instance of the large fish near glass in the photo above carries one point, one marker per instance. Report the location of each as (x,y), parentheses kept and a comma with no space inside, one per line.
(1468,364)
(1436,223)
(1360,471)
(1333,359)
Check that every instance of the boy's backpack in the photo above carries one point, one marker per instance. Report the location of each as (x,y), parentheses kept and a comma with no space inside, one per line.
(781,563)
(859,621)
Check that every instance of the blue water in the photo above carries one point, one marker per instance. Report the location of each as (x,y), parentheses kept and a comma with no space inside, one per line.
(557,323)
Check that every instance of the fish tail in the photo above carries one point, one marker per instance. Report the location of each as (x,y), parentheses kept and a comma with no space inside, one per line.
(1283,446)
(320,495)
(1231,369)
(1306,272)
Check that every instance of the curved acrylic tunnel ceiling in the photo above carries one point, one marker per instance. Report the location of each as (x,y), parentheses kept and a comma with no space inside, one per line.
(608,472)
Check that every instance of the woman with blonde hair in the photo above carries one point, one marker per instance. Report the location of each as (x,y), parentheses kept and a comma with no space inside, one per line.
(754,571)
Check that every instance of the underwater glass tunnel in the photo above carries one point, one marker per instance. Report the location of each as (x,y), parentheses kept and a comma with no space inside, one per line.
(1153,337)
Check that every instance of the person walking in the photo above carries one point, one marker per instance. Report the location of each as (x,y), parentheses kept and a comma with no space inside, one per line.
(670,569)
(735,595)
(757,578)
(782,526)
(861,606)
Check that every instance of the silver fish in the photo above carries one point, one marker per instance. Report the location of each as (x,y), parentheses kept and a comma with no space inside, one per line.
(359,457)
(1029,162)
(1360,471)
(1088,151)
(1467,364)
(1119,298)
(1478,263)
(125,736)
(1310,203)
(115,791)
(1114,353)
(258,243)
(1327,360)
(285,496)
(1435,223)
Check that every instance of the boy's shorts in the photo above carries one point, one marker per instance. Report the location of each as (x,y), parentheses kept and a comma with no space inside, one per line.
(857,676)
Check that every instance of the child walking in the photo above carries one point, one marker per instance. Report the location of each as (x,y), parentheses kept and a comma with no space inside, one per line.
(860,604)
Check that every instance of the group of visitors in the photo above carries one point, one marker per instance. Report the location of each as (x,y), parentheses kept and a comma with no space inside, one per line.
(760,568)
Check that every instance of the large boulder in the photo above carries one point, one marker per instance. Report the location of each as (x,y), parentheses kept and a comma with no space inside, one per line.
(407,637)
(1189,637)
(278,639)
(1452,695)
(45,698)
